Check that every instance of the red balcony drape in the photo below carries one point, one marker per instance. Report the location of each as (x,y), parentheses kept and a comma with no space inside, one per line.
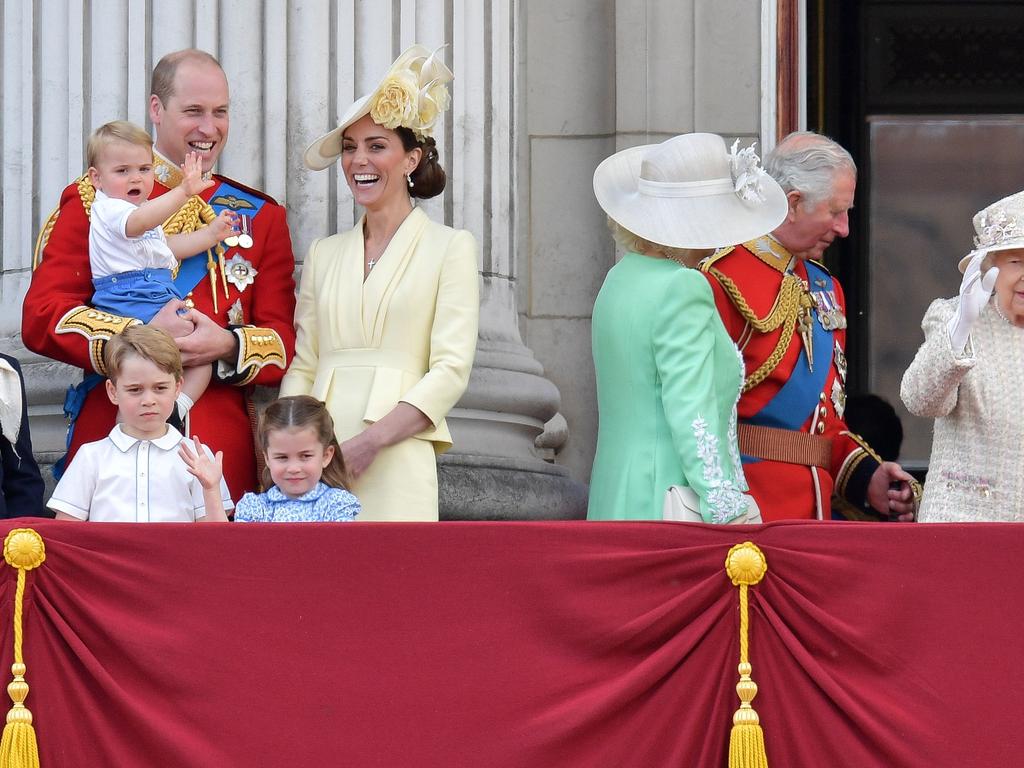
(517,644)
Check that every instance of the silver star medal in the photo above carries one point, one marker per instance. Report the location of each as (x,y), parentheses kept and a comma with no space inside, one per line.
(838,398)
(241,272)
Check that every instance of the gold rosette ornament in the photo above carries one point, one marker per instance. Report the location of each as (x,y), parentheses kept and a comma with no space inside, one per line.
(746,566)
(24,550)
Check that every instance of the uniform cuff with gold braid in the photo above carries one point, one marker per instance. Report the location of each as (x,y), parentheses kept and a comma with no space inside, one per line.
(852,483)
(257,347)
(96,326)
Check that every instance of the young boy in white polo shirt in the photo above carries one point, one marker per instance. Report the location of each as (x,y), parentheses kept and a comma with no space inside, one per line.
(144,470)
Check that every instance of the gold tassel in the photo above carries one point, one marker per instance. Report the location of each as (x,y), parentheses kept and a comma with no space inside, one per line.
(24,550)
(746,566)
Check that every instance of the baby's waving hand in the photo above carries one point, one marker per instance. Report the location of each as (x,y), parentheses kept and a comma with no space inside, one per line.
(192,170)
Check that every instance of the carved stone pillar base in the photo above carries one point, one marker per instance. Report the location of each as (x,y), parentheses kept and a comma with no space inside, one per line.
(470,490)
(496,471)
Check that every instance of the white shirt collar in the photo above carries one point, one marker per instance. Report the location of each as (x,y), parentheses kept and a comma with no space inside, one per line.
(125,442)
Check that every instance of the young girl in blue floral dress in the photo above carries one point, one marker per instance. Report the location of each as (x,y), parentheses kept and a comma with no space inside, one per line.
(296,435)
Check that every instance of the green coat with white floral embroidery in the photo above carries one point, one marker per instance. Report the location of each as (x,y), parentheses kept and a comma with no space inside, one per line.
(668,379)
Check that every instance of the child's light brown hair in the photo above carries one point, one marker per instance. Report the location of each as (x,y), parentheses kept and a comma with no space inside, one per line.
(146,342)
(118,130)
(302,412)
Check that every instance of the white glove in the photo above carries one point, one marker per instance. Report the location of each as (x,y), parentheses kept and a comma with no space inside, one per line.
(975,292)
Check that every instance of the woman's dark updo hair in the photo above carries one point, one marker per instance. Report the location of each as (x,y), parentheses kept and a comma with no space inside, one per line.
(428,179)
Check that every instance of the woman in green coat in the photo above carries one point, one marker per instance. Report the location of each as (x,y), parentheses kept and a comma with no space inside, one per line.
(668,375)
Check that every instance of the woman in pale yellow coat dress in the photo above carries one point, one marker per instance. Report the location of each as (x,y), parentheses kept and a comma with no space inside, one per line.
(387,313)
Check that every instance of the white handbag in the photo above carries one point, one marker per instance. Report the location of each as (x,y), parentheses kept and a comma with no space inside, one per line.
(682,505)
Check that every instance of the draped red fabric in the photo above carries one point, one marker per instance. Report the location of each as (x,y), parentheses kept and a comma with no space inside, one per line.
(517,644)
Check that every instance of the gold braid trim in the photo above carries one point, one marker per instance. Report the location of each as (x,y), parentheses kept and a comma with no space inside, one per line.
(915,487)
(783,314)
(258,347)
(195,214)
(87,192)
(190,217)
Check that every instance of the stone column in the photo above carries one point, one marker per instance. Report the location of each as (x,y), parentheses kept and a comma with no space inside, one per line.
(497,469)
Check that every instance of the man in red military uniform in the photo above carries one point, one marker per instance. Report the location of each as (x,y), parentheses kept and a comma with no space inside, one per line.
(240,301)
(786,313)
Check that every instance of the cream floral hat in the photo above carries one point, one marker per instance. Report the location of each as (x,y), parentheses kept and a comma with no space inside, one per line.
(412,94)
(999,227)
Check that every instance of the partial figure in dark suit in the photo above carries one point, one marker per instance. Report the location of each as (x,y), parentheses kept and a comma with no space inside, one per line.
(19,474)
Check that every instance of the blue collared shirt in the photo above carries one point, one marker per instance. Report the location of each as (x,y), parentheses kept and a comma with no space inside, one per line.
(321,504)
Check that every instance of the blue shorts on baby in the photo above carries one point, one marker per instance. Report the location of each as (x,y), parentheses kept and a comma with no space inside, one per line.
(140,293)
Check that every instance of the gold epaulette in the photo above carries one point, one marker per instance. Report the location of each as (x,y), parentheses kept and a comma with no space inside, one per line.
(705,264)
(258,347)
(96,326)
(770,251)
(86,193)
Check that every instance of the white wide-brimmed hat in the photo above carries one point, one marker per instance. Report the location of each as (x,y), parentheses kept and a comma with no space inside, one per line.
(999,227)
(412,94)
(689,192)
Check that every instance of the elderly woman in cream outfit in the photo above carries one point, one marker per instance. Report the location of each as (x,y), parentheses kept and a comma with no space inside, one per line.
(387,312)
(969,376)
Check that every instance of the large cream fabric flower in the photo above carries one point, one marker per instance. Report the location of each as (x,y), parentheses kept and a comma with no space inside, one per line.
(396,101)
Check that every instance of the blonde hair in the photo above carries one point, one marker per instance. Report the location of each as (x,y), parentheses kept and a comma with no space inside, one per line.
(303,412)
(146,342)
(118,130)
(633,243)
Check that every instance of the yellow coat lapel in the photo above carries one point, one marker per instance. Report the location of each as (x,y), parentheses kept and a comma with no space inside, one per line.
(382,281)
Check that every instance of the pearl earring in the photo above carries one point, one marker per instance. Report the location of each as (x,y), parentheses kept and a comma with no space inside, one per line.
(408,178)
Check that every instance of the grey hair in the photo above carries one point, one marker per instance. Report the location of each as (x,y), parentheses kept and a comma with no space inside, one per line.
(807,162)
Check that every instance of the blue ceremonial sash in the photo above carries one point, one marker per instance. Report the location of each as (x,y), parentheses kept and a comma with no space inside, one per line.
(229,197)
(795,402)
(190,273)
(74,399)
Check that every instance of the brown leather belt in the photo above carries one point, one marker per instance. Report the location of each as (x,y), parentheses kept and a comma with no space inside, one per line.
(774,444)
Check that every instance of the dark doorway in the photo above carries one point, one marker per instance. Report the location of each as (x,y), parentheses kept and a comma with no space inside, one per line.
(929,99)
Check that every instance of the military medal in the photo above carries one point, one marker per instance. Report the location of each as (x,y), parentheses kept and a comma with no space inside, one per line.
(838,398)
(840,360)
(240,272)
(235,316)
(245,231)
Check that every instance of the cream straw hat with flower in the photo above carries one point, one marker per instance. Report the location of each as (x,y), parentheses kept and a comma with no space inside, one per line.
(412,94)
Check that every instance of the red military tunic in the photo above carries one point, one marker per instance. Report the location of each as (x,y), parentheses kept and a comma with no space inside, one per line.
(770,303)
(259,310)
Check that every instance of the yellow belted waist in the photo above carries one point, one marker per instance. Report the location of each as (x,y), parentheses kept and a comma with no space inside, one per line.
(388,373)
(371,357)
